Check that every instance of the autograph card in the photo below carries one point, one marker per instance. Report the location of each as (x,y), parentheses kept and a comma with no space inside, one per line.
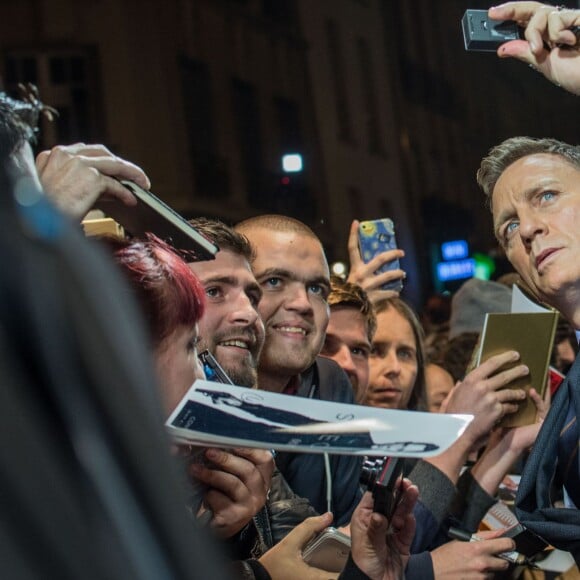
(230,416)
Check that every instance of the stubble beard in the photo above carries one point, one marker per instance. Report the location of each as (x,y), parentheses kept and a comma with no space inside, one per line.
(278,358)
(243,376)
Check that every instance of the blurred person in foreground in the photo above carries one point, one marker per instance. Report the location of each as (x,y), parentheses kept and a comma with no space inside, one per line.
(101,498)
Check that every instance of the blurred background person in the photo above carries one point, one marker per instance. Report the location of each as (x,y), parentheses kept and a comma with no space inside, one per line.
(438,384)
(350,332)
(397,361)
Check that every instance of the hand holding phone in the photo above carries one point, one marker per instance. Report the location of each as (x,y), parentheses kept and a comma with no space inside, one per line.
(381,547)
(376,237)
(380,271)
(328,550)
(212,369)
(544,36)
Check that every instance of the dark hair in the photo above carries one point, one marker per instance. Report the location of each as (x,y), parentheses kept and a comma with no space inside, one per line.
(224,237)
(564,332)
(19,119)
(14,128)
(418,399)
(169,293)
(511,150)
(437,309)
(344,293)
(458,354)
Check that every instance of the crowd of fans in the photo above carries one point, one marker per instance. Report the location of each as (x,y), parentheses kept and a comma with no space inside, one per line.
(100,342)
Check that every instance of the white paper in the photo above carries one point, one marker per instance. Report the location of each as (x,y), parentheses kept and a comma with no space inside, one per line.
(522,304)
(229,416)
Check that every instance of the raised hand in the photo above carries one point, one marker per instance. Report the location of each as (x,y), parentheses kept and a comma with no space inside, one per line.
(549,46)
(76,176)
(363,274)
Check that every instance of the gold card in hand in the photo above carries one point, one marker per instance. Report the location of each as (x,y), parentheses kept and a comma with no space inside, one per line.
(532,335)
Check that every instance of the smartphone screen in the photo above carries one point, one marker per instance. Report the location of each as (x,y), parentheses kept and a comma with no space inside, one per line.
(376,237)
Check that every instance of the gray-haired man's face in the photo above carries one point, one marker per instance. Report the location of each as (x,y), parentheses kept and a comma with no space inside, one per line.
(536,212)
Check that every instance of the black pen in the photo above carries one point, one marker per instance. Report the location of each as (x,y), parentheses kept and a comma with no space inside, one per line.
(513,557)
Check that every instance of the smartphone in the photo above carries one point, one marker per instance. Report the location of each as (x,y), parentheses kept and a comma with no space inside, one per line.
(527,542)
(212,369)
(375,237)
(382,478)
(328,551)
(151,214)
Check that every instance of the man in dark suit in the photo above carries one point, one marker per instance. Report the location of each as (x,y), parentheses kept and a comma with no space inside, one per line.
(533,187)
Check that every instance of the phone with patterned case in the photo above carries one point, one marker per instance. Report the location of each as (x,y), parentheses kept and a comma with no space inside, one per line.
(375,237)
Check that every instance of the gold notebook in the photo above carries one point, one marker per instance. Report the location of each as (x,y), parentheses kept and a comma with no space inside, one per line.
(532,335)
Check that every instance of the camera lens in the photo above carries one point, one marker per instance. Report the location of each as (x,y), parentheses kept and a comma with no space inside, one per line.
(369,472)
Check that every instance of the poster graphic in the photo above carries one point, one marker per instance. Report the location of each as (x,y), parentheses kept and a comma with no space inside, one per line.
(229,416)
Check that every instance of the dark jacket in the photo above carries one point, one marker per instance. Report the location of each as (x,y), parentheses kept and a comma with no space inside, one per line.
(305,472)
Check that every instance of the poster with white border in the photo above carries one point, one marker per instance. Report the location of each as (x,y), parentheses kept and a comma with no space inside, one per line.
(214,414)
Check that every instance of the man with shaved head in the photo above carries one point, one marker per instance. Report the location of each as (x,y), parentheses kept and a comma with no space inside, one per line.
(292,271)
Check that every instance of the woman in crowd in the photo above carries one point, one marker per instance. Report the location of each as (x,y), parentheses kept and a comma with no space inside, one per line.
(397,361)
(172,301)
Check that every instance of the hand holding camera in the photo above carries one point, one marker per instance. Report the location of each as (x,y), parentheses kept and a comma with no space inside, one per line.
(381,546)
(383,478)
(545,37)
